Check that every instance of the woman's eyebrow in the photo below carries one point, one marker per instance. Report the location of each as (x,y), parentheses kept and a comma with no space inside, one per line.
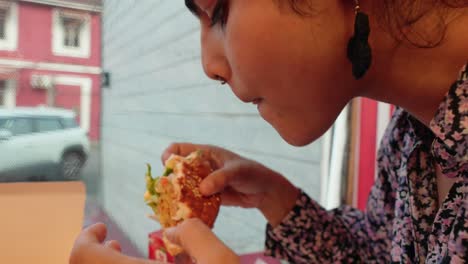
(192,7)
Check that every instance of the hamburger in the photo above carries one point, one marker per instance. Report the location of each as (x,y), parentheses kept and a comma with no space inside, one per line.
(175,196)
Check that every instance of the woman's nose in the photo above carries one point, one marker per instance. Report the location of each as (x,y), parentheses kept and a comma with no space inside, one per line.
(215,63)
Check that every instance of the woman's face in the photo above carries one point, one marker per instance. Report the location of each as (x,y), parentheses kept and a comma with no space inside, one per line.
(293,67)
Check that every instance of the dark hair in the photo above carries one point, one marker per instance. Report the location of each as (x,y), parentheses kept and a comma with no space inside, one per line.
(404,19)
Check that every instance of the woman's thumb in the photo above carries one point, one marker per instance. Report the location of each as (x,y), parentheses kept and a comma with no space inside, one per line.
(218,180)
(172,235)
(200,243)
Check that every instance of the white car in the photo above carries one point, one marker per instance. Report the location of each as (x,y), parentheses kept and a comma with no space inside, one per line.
(41,143)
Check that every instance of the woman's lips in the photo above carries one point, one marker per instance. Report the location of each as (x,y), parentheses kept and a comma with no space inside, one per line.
(257,101)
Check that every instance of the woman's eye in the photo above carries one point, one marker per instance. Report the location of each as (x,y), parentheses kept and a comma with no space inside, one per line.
(220,13)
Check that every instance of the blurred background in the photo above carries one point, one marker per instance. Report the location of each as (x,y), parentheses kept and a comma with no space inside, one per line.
(92,90)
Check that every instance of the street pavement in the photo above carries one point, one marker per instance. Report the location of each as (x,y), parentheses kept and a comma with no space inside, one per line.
(92,171)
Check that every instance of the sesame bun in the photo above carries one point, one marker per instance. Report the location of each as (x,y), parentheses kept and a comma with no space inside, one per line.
(175,196)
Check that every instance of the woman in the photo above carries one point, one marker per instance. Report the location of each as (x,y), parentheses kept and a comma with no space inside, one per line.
(300,62)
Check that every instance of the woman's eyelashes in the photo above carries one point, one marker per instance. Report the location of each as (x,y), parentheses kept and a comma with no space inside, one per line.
(220,13)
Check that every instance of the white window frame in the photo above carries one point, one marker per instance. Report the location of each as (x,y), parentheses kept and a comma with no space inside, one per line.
(86,86)
(58,47)
(334,160)
(10,43)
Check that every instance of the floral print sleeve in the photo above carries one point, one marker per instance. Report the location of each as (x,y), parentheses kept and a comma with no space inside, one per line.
(310,234)
(403,221)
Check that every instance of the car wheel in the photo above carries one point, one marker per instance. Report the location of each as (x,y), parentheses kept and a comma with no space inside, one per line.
(71,165)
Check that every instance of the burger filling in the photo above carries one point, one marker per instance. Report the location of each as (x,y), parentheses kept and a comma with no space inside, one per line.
(163,194)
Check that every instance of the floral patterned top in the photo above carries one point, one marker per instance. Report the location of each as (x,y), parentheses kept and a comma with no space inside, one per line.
(403,222)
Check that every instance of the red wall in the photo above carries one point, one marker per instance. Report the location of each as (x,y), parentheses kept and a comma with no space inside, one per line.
(35,37)
(367,150)
(68,96)
(35,44)
(26,96)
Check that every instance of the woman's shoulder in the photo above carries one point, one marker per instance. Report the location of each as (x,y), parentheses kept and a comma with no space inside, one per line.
(400,132)
(450,127)
(446,137)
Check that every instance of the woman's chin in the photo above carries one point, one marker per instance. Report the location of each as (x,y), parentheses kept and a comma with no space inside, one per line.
(296,140)
(299,135)
(295,135)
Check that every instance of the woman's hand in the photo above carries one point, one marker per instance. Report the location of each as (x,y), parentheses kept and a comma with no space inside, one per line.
(90,248)
(243,182)
(200,245)
(193,235)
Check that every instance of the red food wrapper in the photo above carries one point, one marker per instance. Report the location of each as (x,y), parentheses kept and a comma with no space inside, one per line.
(156,249)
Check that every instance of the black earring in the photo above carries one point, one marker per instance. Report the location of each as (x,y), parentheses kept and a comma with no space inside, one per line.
(359,50)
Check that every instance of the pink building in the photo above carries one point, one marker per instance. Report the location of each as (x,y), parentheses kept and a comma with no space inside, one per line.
(50,54)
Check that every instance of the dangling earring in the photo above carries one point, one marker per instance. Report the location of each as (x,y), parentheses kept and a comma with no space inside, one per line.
(359,50)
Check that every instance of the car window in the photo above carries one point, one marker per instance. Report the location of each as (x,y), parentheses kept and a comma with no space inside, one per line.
(69,122)
(4,123)
(22,126)
(48,124)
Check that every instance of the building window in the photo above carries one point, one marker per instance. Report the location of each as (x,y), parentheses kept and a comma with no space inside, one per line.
(2,93)
(7,93)
(8,25)
(3,17)
(71,34)
(72,28)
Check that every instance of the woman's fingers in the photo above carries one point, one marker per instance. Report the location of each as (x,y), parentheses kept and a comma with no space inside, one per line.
(89,248)
(114,244)
(234,172)
(216,182)
(183,258)
(95,233)
(243,175)
(182,149)
(217,155)
(200,243)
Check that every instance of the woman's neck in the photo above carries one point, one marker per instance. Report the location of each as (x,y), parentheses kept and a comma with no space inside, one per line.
(417,79)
